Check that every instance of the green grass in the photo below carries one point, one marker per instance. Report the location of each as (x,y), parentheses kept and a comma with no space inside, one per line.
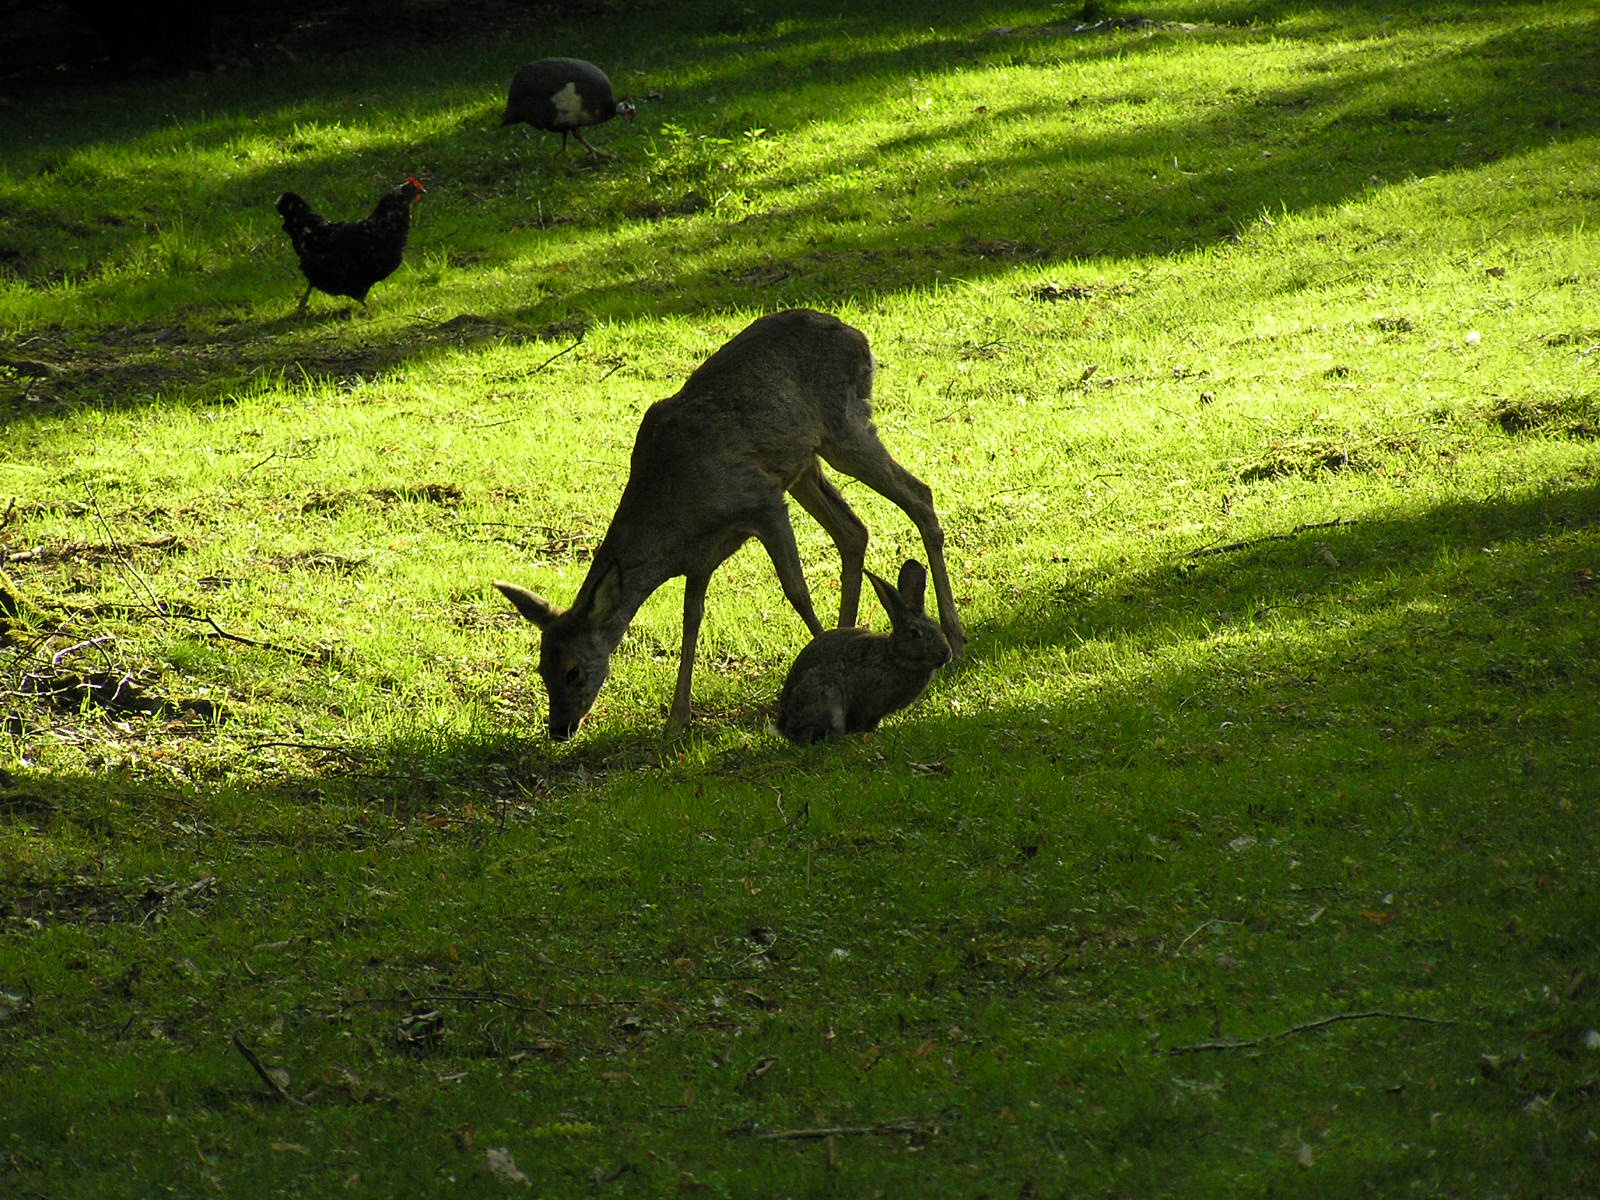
(1252,359)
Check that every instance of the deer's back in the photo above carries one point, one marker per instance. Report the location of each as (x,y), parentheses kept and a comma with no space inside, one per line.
(754,414)
(822,357)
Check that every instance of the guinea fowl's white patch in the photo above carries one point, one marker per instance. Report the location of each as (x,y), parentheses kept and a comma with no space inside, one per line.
(568,105)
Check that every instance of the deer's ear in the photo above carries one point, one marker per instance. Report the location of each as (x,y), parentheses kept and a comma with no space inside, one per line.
(607,593)
(536,608)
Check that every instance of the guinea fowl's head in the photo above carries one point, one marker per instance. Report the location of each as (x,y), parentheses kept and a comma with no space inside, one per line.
(624,109)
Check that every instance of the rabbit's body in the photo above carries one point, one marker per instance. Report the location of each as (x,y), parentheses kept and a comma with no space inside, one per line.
(848,680)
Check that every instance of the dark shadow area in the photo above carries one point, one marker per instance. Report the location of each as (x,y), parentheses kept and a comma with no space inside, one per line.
(1370,553)
(55,44)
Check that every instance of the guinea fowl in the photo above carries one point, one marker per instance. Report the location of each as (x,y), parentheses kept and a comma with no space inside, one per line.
(563,95)
(345,258)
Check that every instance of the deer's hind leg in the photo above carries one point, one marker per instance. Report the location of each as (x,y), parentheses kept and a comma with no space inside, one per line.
(861,454)
(816,493)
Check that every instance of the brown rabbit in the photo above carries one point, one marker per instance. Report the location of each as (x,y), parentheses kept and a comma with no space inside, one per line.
(847,680)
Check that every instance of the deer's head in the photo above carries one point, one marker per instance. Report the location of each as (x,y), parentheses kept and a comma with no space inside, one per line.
(574,649)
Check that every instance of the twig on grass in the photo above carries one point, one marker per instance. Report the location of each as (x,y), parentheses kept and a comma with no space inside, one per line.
(909,1125)
(161,609)
(307,656)
(47,554)
(57,658)
(482,996)
(556,355)
(120,556)
(1270,537)
(179,611)
(287,457)
(535,371)
(348,751)
(1308,1027)
(268,1077)
(1199,929)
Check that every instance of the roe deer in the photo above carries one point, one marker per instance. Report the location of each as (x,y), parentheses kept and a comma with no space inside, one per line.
(709,471)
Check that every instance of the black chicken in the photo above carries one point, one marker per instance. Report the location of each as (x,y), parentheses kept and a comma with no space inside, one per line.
(345,258)
(562,95)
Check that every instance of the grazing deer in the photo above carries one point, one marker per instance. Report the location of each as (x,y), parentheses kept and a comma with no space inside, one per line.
(709,471)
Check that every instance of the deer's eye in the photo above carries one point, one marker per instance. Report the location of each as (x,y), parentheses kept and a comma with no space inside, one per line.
(574,676)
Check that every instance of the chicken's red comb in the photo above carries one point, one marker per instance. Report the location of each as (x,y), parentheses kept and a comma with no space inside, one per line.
(417,183)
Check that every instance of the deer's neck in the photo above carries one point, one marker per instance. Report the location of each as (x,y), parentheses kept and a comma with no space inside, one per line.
(623,575)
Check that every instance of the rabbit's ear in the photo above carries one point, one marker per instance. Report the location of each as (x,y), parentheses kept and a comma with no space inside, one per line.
(913,583)
(889,598)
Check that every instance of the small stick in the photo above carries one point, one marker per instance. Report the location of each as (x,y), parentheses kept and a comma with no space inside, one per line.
(1271,537)
(303,655)
(1201,928)
(467,996)
(160,608)
(123,559)
(1308,1027)
(328,749)
(909,1125)
(56,658)
(279,454)
(535,371)
(555,356)
(277,1089)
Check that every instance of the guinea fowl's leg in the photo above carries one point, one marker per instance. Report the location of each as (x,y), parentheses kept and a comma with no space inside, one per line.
(304,298)
(578,133)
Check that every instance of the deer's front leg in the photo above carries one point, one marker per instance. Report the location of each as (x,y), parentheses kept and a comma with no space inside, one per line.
(694,608)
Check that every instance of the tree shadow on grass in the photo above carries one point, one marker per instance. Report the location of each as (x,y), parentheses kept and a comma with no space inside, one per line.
(1375,560)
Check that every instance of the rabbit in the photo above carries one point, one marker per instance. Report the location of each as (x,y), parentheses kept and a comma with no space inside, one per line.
(847,680)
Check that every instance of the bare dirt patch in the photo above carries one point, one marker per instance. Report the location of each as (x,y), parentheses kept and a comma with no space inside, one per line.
(1570,416)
